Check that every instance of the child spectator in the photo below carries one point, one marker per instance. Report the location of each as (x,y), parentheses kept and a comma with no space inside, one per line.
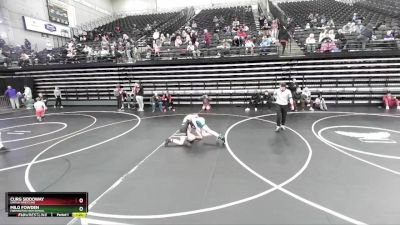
(311,43)
(306,99)
(155,101)
(206,103)
(390,101)
(167,102)
(40,109)
(319,103)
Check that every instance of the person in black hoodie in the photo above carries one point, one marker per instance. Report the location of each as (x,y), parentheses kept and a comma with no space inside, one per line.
(283,37)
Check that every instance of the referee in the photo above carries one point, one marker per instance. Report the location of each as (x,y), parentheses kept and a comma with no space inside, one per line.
(282,96)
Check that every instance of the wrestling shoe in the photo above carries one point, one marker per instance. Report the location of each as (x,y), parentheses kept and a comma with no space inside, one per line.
(3,148)
(277,129)
(283,127)
(222,138)
(167,141)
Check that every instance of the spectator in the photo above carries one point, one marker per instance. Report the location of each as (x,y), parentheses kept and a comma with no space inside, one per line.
(235,23)
(206,103)
(331,35)
(194,25)
(147,28)
(215,20)
(2,43)
(155,101)
(328,45)
(242,35)
(364,36)
(324,34)
(162,39)
(167,40)
(261,20)
(173,38)
(341,39)
(178,41)
(311,43)
(308,27)
(27,45)
(283,38)
(167,101)
(156,48)
(249,44)
(224,48)
(330,23)
(139,96)
(320,103)
(389,36)
(156,35)
(306,99)
(58,97)
(27,96)
(11,93)
(297,99)
(390,101)
(349,28)
(293,85)
(117,30)
(191,50)
(266,42)
(221,20)
(255,101)
(24,59)
(118,93)
(207,38)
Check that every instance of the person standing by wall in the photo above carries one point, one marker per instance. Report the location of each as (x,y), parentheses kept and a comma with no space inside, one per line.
(118,94)
(11,93)
(283,97)
(139,96)
(57,95)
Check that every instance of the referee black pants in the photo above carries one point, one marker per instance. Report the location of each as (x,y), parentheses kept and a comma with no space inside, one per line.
(281,112)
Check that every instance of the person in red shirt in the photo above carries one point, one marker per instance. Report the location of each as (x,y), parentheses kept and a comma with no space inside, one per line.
(390,101)
(167,102)
(207,38)
(242,36)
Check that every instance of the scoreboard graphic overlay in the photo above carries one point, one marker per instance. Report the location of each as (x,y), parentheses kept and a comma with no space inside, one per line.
(46,204)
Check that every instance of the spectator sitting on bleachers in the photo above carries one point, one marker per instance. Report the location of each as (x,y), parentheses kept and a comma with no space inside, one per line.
(330,23)
(245,28)
(27,44)
(322,19)
(178,41)
(167,40)
(24,59)
(221,20)
(389,36)
(156,35)
(341,40)
(390,101)
(156,47)
(147,28)
(185,37)
(207,38)
(349,28)
(308,27)
(162,39)
(249,44)
(319,103)
(327,45)
(331,35)
(215,38)
(266,41)
(311,43)
(235,23)
(173,38)
(191,49)
(215,20)
(224,48)
(194,25)
(323,35)
(227,30)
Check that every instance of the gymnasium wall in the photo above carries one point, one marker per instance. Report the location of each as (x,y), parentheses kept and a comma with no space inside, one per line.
(12,26)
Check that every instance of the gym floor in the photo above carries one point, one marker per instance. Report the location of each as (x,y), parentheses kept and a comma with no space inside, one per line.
(335,167)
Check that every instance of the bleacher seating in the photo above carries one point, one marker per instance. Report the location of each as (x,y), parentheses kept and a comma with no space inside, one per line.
(342,81)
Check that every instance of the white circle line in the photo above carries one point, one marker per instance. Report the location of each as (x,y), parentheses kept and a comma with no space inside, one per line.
(64,125)
(355,150)
(76,151)
(29,165)
(347,153)
(49,140)
(231,203)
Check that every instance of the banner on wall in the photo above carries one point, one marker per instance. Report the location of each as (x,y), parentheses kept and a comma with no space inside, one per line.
(57,12)
(46,27)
